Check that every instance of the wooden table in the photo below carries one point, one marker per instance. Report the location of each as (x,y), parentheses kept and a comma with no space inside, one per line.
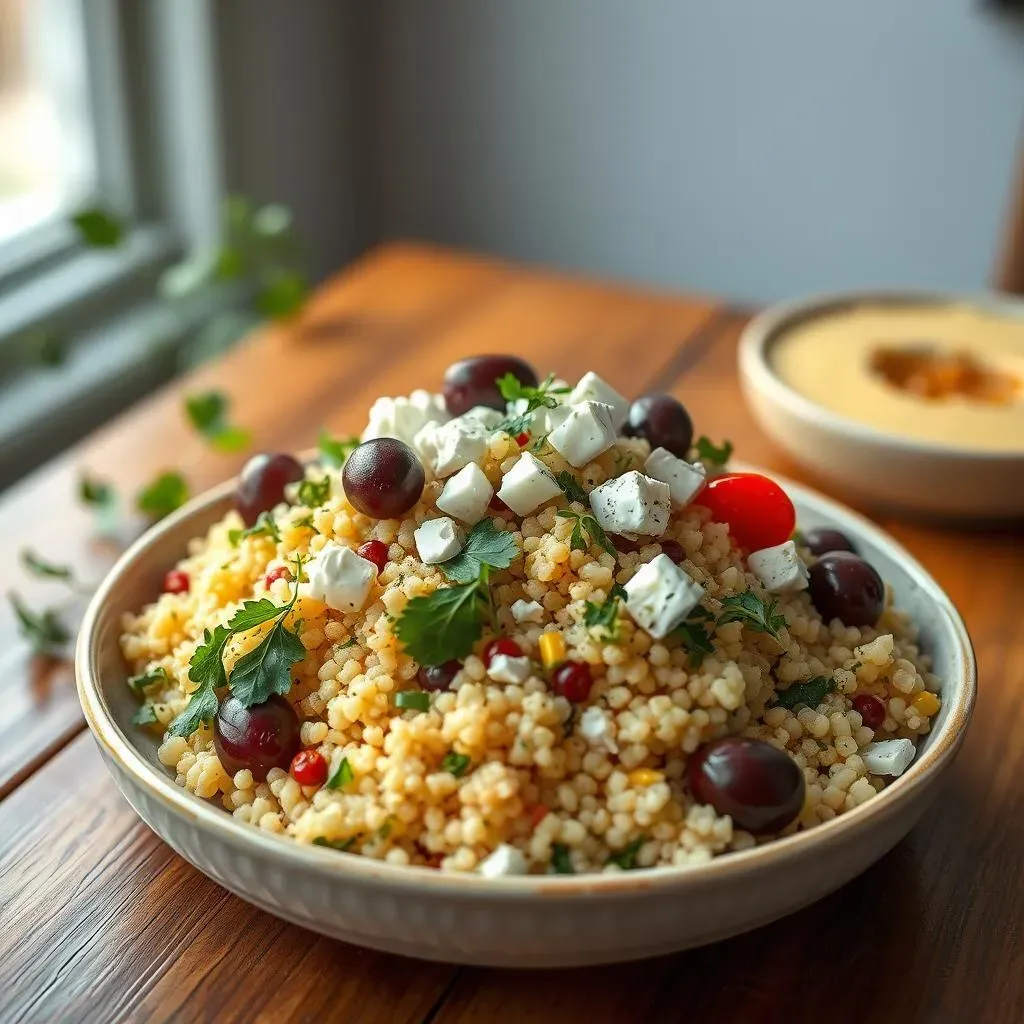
(100,921)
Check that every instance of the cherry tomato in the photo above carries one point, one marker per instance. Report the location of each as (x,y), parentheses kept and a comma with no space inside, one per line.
(309,768)
(758,512)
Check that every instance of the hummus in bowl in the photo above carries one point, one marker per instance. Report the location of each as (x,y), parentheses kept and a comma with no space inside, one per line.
(912,402)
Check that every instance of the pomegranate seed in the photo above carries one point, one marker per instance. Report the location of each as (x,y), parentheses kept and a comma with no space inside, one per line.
(538,814)
(497,505)
(573,681)
(522,439)
(502,645)
(870,709)
(282,572)
(177,582)
(623,544)
(309,768)
(674,550)
(375,551)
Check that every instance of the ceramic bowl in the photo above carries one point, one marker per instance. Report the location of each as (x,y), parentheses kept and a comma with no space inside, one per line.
(534,921)
(882,469)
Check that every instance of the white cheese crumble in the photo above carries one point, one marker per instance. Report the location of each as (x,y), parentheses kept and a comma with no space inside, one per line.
(592,388)
(466,494)
(527,611)
(597,729)
(527,484)
(779,568)
(584,434)
(339,578)
(685,479)
(405,417)
(632,503)
(508,668)
(888,757)
(437,540)
(506,860)
(661,595)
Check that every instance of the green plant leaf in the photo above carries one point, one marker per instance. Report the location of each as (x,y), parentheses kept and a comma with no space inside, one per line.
(709,452)
(412,700)
(99,227)
(282,295)
(584,522)
(145,715)
(626,858)
(143,680)
(167,492)
(97,493)
(207,411)
(342,776)
(201,707)
(605,616)
(443,625)
(561,863)
(760,615)
(334,452)
(811,692)
(335,844)
(314,493)
(572,488)
(485,545)
(456,763)
(38,566)
(265,526)
(266,669)
(43,630)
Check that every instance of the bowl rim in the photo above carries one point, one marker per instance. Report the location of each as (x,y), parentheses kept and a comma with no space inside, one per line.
(214,822)
(767,327)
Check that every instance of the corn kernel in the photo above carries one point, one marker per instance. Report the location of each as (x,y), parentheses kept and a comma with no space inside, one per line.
(644,777)
(925,703)
(552,649)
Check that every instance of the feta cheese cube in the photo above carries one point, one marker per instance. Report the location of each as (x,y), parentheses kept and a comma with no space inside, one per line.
(661,595)
(339,578)
(466,494)
(405,417)
(527,611)
(779,568)
(888,757)
(450,446)
(632,503)
(483,416)
(584,434)
(685,480)
(597,729)
(593,389)
(527,484)
(545,420)
(437,540)
(506,860)
(507,668)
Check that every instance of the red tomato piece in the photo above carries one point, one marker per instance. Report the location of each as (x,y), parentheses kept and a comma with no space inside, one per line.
(757,510)
(309,768)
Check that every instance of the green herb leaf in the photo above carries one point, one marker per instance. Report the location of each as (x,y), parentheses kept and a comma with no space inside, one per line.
(812,693)
(314,493)
(95,492)
(206,665)
(145,715)
(335,844)
(455,763)
(485,545)
(412,700)
(572,488)
(342,776)
(334,452)
(305,522)
(167,492)
(266,669)
(43,630)
(38,566)
(207,411)
(760,615)
(350,642)
(255,613)
(561,863)
(588,523)
(707,451)
(201,707)
(282,295)
(230,263)
(605,616)
(626,858)
(385,830)
(143,680)
(98,227)
(695,636)
(265,526)
(513,390)
(443,625)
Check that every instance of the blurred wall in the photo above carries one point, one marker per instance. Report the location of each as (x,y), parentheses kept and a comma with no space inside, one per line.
(757,149)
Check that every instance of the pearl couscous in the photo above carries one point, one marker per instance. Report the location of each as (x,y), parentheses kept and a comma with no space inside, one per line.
(526,629)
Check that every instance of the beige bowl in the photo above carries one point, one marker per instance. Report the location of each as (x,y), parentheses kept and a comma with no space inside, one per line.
(551,921)
(882,469)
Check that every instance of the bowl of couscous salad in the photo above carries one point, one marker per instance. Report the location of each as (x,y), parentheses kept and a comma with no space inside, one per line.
(529,674)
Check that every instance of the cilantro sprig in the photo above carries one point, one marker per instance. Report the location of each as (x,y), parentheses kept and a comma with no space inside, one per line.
(760,614)
(561,863)
(541,397)
(456,763)
(257,675)
(708,451)
(605,616)
(695,636)
(485,545)
(571,487)
(585,523)
(169,491)
(207,411)
(265,526)
(810,692)
(314,493)
(626,857)
(334,452)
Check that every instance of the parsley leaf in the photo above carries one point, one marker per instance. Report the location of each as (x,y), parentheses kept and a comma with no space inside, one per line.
(95,492)
(255,613)
(695,636)
(146,715)
(98,227)
(810,692)
(584,522)
(313,493)
(561,863)
(605,616)
(143,680)
(335,452)
(571,487)
(626,858)
(263,527)
(166,493)
(455,763)
(335,844)
(206,666)
(342,777)
(761,615)
(513,390)
(485,545)
(43,630)
(38,566)
(201,707)
(443,625)
(266,669)
(207,411)
(709,452)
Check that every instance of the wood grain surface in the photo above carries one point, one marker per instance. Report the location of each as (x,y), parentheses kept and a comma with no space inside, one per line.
(100,921)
